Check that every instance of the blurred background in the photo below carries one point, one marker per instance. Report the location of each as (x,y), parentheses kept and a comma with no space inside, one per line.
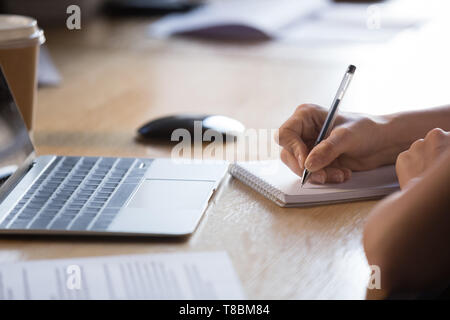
(154,57)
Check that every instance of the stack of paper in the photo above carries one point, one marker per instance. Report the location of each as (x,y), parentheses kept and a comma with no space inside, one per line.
(252,19)
(297,20)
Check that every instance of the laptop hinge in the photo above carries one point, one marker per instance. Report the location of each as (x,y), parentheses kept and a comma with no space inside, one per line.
(11,182)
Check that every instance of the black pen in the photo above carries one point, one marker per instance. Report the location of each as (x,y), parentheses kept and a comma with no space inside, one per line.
(332,113)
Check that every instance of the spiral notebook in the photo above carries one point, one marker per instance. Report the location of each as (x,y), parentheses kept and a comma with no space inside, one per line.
(274,180)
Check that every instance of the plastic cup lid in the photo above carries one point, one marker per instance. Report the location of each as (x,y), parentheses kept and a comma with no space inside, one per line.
(15,29)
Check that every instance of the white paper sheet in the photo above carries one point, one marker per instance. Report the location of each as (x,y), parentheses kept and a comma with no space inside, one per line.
(254,18)
(203,275)
(305,21)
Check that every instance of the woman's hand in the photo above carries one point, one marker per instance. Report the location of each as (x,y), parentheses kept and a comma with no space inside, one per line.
(356,143)
(412,163)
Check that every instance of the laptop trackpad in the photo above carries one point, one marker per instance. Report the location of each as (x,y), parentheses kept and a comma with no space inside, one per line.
(160,195)
(165,207)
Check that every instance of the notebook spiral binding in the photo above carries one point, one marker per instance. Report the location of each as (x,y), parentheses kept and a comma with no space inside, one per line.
(257,184)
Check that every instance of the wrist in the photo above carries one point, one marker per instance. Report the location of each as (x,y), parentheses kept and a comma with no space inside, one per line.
(393,135)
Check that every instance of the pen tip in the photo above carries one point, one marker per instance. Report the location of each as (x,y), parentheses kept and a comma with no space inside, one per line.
(304,175)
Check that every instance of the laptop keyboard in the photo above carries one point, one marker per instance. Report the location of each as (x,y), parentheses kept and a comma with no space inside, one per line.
(77,193)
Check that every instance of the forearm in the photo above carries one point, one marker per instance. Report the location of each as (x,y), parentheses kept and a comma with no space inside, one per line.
(408,234)
(399,130)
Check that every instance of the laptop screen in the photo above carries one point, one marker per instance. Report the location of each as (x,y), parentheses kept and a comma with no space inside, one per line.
(15,144)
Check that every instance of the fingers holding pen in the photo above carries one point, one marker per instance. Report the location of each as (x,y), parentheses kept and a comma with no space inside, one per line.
(297,136)
(299,130)
(330,175)
(328,150)
(323,161)
(294,146)
(291,162)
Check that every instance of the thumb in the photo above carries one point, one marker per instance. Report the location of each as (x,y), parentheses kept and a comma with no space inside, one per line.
(329,149)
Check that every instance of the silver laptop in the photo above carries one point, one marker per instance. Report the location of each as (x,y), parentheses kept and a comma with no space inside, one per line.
(95,195)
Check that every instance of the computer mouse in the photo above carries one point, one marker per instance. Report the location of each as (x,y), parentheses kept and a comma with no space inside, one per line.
(162,128)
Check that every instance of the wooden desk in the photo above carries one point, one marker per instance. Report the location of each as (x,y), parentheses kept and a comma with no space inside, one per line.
(115,79)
